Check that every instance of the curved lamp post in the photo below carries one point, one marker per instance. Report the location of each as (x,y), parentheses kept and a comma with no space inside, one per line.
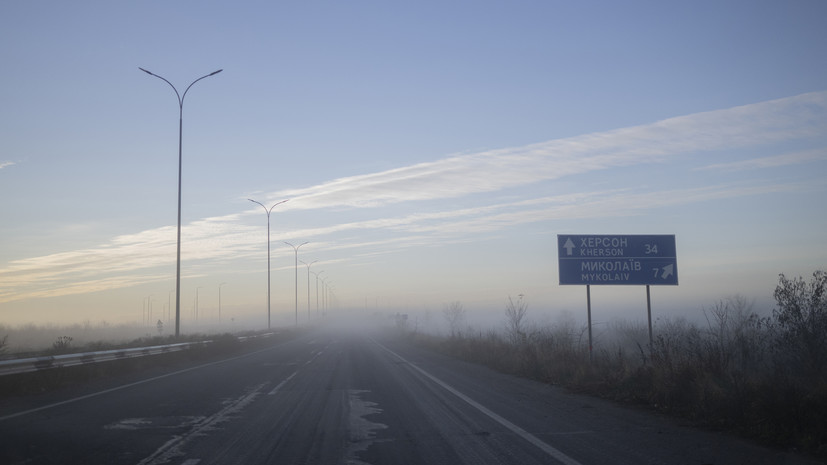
(317,291)
(331,296)
(327,284)
(296,249)
(196,302)
(180,133)
(308,286)
(324,291)
(268,252)
(219,302)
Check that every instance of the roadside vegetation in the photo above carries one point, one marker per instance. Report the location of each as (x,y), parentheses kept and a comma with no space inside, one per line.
(32,340)
(763,378)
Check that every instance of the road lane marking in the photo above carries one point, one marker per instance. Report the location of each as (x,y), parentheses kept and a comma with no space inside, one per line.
(315,356)
(276,389)
(553,452)
(174,447)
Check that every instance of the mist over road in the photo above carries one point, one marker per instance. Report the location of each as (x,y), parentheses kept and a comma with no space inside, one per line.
(344,397)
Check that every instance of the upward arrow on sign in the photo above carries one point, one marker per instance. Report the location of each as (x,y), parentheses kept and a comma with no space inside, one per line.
(569,245)
(668,270)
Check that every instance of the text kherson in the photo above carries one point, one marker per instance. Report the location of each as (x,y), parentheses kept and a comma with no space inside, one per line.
(601,252)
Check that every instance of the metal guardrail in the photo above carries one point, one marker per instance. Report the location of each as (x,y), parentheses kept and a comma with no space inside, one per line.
(25,365)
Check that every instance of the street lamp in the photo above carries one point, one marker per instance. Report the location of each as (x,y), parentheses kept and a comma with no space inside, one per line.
(196,302)
(219,302)
(317,291)
(296,249)
(308,287)
(169,306)
(268,252)
(327,285)
(180,134)
(148,312)
(324,290)
(331,296)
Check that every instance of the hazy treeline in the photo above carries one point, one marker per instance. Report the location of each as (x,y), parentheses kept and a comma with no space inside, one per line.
(29,338)
(763,377)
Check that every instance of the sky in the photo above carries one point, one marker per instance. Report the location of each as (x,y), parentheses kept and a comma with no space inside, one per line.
(429,152)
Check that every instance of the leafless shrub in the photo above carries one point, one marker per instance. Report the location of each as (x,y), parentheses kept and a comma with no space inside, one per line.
(454,314)
(515,312)
(62,345)
(737,343)
(800,320)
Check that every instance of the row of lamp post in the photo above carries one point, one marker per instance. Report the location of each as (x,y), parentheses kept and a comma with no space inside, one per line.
(325,290)
(147,304)
(267,210)
(296,250)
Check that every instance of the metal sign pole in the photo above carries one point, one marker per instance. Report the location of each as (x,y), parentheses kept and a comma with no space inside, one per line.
(589,313)
(649,314)
(612,259)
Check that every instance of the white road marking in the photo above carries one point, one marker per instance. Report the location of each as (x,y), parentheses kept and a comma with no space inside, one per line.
(555,453)
(173,447)
(276,389)
(315,356)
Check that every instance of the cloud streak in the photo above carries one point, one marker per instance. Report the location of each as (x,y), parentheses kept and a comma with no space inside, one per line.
(222,239)
(778,120)
(138,258)
(787,159)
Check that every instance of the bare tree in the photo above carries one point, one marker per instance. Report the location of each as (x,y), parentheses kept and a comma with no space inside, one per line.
(514,314)
(734,333)
(455,316)
(801,317)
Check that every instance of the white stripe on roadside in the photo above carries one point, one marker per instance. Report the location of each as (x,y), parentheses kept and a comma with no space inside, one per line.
(556,454)
(276,389)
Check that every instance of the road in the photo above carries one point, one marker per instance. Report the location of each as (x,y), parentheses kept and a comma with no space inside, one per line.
(338,397)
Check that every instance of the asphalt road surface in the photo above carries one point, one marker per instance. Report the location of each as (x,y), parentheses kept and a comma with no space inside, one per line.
(333,397)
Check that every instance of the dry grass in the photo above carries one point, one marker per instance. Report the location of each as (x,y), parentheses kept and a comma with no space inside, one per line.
(737,372)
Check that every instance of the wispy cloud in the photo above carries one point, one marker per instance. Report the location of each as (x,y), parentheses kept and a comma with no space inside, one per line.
(791,118)
(5,164)
(775,161)
(115,265)
(133,259)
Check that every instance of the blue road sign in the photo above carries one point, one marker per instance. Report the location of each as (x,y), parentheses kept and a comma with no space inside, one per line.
(617,259)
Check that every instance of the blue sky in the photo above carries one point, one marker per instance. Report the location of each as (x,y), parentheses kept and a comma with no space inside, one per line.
(430,151)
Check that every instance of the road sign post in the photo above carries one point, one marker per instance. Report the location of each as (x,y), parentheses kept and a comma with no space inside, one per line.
(594,259)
